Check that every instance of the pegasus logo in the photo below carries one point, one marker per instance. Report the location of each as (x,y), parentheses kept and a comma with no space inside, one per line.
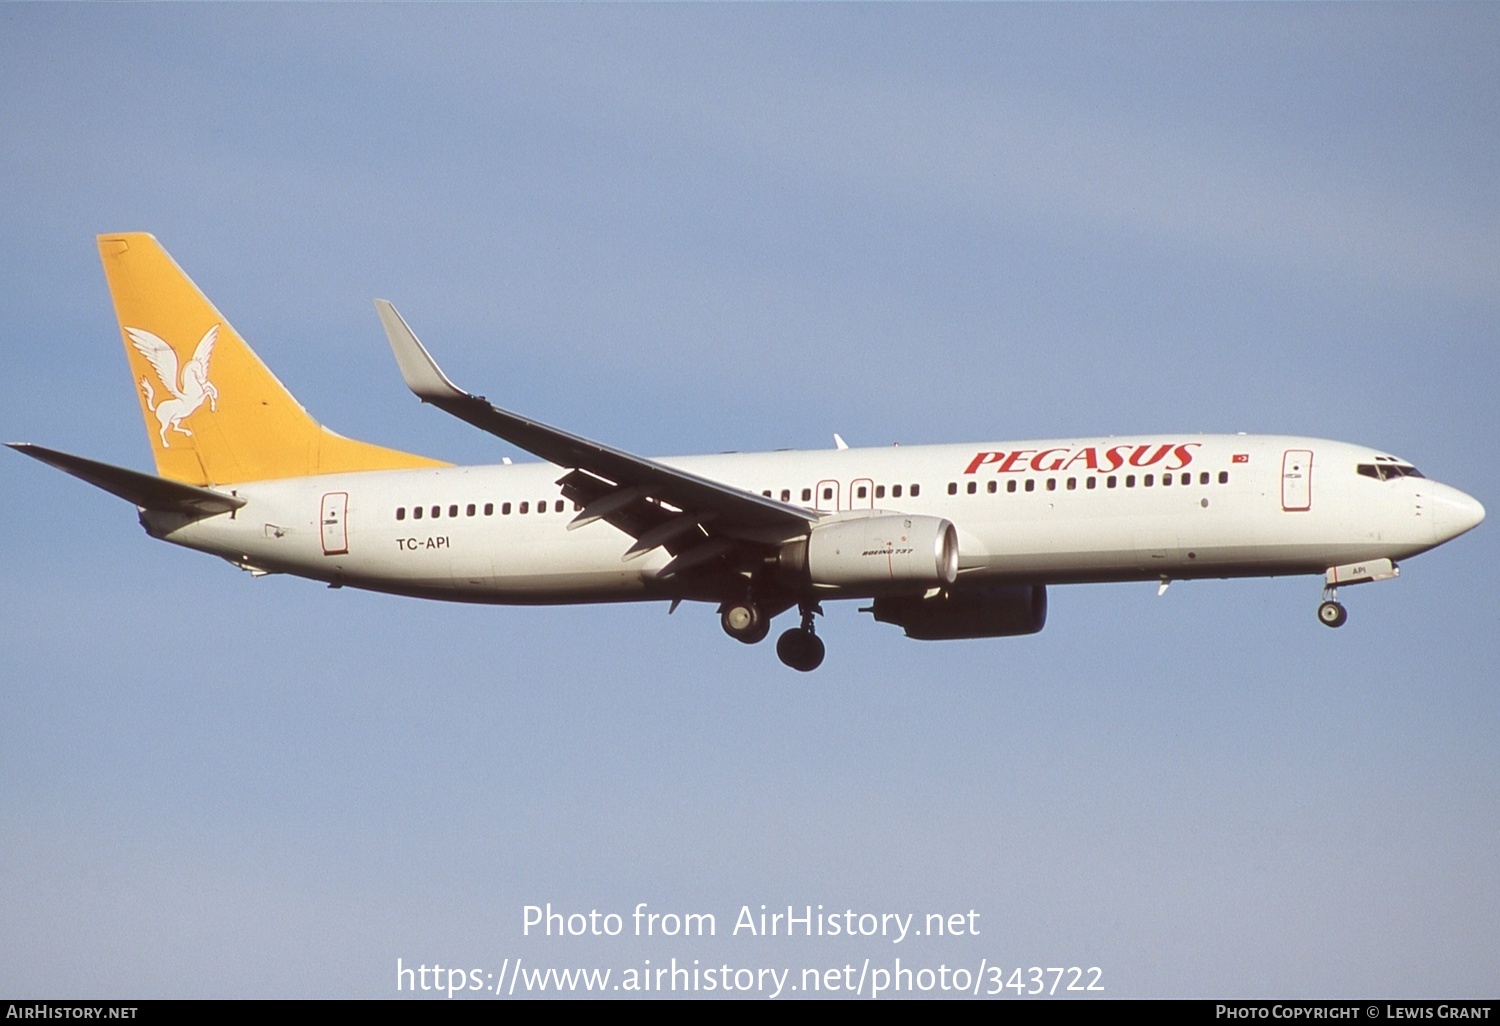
(187,394)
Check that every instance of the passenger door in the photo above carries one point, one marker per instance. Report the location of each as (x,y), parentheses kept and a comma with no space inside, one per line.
(335,529)
(1296,480)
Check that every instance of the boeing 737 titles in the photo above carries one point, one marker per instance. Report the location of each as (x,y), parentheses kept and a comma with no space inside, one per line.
(944,541)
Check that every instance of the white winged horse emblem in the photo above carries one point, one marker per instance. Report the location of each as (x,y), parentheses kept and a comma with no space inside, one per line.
(194,387)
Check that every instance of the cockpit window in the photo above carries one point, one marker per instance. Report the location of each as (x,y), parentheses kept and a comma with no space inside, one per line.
(1387,469)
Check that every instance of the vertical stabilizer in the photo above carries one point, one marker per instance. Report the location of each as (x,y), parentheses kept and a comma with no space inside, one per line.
(214,413)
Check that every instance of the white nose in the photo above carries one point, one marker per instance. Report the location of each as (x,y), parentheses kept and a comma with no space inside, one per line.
(1454,512)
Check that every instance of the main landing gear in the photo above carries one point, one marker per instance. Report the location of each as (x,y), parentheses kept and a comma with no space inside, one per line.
(744,622)
(801,648)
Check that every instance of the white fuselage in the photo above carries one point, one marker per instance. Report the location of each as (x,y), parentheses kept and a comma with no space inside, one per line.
(1040,512)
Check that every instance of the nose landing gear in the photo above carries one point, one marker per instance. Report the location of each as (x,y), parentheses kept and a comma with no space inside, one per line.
(1331,612)
(801,648)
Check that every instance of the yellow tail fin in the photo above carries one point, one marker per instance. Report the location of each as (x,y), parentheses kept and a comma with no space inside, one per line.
(215,414)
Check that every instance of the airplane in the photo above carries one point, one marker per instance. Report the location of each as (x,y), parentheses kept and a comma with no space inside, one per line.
(944,541)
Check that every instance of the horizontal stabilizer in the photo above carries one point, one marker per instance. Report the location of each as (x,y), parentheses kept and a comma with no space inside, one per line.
(145,490)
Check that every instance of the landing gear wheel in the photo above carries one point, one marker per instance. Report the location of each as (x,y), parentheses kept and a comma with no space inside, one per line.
(1332,614)
(800,649)
(744,622)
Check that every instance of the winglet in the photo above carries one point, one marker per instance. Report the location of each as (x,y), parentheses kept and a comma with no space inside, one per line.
(423,376)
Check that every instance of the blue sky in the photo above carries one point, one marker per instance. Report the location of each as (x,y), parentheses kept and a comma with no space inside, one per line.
(688,228)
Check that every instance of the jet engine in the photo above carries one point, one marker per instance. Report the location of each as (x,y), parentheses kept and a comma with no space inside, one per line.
(994,612)
(876,553)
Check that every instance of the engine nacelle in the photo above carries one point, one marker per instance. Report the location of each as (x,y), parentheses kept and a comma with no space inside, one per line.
(995,612)
(876,553)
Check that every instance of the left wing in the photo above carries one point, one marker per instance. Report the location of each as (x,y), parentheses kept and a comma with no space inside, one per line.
(731,511)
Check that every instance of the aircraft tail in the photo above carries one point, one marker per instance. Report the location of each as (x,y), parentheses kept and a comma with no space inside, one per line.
(214,413)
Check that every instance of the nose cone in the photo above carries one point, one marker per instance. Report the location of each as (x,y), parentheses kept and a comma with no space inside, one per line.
(1454,512)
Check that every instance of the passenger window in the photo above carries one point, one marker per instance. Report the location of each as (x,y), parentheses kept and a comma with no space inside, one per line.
(1203,478)
(1092,481)
(1166,480)
(1010,485)
(437,511)
(895,491)
(1072,483)
(400,512)
(453,510)
(1223,477)
(1187,479)
(916,490)
(1031,484)
(766,493)
(489,509)
(880,491)
(1110,481)
(525,508)
(786,495)
(1129,480)
(470,510)
(1147,480)
(557,507)
(973,487)
(416,512)
(993,487)
(1051,484)
(807,495)
(863,491)
(541,507)
(505,509)
(952,488)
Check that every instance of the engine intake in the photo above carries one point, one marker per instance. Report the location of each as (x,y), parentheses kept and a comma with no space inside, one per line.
(876,553)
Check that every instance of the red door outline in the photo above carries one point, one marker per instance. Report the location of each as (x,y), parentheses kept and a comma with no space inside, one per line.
(1296,480)
(334,518)
(830,504)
